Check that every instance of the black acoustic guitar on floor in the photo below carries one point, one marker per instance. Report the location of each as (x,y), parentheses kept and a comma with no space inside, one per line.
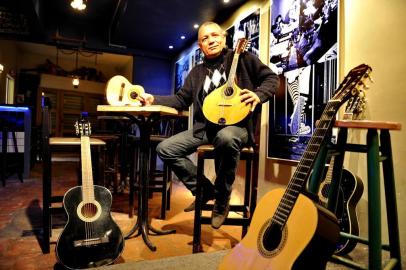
(90,238)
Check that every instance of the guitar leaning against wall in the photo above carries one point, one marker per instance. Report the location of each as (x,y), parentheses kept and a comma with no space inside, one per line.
(350,189)
(288,230)
(90,238)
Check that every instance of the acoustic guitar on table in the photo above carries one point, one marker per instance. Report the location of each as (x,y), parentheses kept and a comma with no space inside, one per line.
(120,92)
(288,229)
(350,189)
(90,238)
(223,106)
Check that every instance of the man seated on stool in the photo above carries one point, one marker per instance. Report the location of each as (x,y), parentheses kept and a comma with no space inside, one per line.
(227,140)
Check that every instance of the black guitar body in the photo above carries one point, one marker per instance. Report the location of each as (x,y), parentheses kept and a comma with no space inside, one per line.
(351,189)
(349,194)
(93,243)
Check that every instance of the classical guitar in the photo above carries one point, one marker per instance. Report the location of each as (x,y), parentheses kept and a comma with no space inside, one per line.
(350,189)
(120,92)
(90,238)
(223,105)
(288,230)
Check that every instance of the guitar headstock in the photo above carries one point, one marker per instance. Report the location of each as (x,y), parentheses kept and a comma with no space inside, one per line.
(82,126)
(242,45)
(353,83)
(355,106)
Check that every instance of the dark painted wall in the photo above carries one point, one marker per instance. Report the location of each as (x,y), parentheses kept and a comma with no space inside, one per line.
(154,74)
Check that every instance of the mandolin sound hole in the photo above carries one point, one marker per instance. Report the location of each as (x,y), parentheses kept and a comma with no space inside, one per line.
(229,91)
(89,210)
(221,121)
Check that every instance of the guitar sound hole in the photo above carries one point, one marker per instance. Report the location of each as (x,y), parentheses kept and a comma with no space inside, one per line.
(89,210)
(229,91)
(272,237)
(133,95)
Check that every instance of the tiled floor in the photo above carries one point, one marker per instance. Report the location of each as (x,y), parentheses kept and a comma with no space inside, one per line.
(21,219)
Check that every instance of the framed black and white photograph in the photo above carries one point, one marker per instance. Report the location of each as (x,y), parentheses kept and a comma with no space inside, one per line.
(190,58)
(246,28)
(182,68)
(304,52)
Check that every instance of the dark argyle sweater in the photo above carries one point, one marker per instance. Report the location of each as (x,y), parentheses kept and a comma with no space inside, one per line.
(251,74)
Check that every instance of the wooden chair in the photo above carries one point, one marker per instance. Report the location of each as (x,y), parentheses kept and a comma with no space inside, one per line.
(251,156)
(52,204)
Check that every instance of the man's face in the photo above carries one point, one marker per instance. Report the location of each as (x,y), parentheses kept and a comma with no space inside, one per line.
(211,40)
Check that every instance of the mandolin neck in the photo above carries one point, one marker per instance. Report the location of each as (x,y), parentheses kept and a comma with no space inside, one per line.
(233,70)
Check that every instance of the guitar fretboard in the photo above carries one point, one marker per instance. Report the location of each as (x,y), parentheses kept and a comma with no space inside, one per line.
(87,174)
(305,165)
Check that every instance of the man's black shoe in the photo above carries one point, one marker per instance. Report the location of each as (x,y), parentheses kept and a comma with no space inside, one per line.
(220,213)
(205,199)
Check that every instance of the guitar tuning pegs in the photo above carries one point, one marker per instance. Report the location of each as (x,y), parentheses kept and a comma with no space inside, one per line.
(364,86)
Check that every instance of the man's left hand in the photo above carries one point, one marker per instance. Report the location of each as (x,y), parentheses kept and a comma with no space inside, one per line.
(248,97)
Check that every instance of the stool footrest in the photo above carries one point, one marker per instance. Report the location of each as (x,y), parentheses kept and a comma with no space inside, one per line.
(347,262)
(228,221)
(356,148)
(233,208)
(56,199)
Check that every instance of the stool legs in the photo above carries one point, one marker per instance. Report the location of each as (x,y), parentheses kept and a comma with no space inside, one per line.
(197,230)
(3,157)
(46,199)
(374,201)
(390,191)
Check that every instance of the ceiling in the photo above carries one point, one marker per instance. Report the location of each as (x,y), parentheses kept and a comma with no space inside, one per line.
(135,27)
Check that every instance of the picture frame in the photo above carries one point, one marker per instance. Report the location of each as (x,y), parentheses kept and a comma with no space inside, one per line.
(304,53)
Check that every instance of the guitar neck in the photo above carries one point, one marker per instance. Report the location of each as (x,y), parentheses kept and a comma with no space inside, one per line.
(297,183)
(87,174)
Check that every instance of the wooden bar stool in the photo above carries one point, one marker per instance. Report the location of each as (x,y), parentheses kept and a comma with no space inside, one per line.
(251,157)
(378,149)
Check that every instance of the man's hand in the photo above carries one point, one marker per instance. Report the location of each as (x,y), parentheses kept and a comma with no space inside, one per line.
(146,99)
(248,97)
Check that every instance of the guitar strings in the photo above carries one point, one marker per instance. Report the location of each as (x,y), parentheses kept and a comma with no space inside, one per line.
(325,123)
(296,184)
(88,195)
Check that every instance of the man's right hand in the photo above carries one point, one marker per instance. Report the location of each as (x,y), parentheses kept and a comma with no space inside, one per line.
(146,99)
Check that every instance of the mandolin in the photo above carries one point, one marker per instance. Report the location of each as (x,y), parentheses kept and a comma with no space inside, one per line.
(223,105)
(90,238)
(120,92)
(289,230)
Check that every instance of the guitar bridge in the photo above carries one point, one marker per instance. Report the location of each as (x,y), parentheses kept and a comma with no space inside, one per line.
(91,241)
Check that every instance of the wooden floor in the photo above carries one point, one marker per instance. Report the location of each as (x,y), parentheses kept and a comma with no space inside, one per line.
(21,223)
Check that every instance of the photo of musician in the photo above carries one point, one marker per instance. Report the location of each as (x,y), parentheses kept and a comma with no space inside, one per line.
(302,32)
(248,28)
(258,84)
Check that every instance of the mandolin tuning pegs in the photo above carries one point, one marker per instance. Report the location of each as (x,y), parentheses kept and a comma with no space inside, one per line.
(370,78)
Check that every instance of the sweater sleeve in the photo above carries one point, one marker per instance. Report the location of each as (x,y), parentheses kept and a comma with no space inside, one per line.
(181,100)
(266,82)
